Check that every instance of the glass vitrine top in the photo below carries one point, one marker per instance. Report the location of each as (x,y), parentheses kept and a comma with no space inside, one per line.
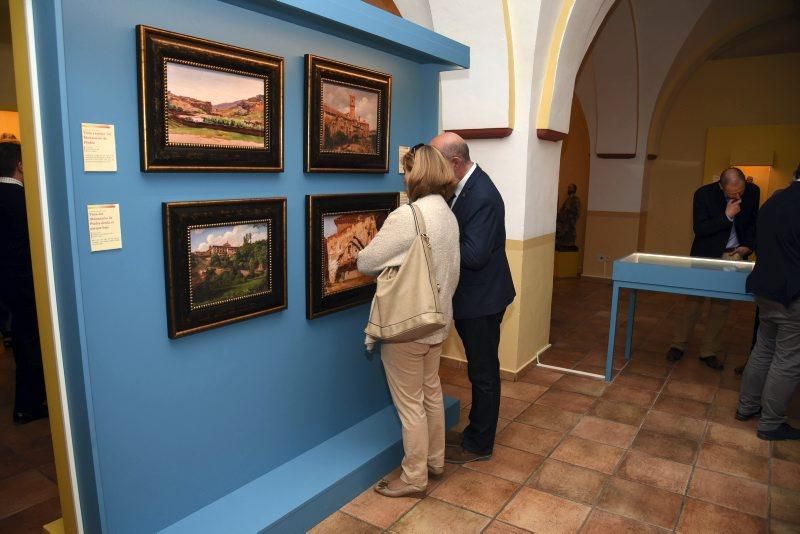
(687,262)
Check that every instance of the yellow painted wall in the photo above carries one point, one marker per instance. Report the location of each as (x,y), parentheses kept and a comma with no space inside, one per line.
(9,123)
(526,325)
(574,168)
(760,175)
(8,93)
(721,94)
(755,145)
(609,233)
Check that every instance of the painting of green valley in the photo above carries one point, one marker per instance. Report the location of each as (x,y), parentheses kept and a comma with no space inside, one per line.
(213,107)
(229,262)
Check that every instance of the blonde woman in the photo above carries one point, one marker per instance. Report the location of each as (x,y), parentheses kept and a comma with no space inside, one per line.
(412,368)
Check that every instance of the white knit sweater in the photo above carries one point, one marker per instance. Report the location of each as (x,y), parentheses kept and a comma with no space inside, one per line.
(390,246)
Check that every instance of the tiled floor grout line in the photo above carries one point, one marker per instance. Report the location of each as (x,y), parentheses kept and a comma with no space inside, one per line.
(718,385)
(541,465)
(627,449)
(685,496)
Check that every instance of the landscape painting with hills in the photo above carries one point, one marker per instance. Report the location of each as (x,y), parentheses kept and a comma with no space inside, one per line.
(212,107)
(229,262)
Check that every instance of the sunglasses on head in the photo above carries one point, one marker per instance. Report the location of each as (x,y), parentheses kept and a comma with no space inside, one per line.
(414,148)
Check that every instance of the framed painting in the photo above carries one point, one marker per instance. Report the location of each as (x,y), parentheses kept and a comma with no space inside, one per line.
(337,228)
(225,261)
(206,106)
(348,116)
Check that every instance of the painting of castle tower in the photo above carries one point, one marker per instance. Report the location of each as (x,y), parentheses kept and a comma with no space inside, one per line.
(349,119)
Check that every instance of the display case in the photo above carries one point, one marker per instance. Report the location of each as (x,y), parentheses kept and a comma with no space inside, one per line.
(720,279)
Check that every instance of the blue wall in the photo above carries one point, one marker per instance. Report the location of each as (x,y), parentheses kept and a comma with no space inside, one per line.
(176,424)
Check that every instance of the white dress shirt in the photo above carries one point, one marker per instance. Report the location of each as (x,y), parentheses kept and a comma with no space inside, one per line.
(462,183)
(733,239)
(12,181)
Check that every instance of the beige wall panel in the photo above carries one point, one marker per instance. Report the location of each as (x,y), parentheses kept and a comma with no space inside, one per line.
(611,234)
(536,288)
(526,325)
(669,212)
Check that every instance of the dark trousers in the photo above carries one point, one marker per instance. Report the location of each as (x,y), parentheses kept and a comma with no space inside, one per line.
(17,295)
(481,337)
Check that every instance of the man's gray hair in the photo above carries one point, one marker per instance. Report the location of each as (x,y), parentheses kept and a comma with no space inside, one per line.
(730,176)
(456,149)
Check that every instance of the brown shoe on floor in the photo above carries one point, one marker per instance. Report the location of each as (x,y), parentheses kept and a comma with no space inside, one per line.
(453,438)
(712,362)
(673,354)
(406,490)
(435,472)
(460,455)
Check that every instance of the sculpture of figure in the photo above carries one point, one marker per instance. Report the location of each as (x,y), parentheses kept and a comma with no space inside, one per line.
(567,219)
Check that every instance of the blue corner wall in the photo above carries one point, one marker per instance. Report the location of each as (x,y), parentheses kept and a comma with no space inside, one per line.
(164,427)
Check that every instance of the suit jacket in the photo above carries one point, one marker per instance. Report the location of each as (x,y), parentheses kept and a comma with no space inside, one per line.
(485,286)
(776,275)
(15,249)
(712,227)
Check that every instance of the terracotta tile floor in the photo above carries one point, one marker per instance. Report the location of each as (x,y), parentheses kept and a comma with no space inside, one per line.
(656,450)
(28,491)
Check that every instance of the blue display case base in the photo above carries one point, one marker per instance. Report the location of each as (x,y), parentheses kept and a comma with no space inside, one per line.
(304,491)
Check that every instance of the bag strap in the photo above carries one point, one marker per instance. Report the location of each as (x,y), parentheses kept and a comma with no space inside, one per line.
(419,220)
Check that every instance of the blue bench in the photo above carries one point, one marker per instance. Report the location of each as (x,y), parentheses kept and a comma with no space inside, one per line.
(303,491)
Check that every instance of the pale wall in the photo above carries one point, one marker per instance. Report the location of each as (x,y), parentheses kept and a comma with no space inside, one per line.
(504,159)
(616,185)
(615,56)
(477,97)
(731,92)
(417,11)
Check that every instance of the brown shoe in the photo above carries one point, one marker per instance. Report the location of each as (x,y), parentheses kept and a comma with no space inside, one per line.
(461,455)
(674,354)
(453,438)
(712,362)
(435,472)
(407,490)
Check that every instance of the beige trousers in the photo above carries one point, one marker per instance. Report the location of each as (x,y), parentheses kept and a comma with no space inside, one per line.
(412,370)
(715,324)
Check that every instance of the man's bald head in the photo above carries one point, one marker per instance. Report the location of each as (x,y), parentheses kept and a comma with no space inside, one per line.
(733,183)
(731,176)
(455,150)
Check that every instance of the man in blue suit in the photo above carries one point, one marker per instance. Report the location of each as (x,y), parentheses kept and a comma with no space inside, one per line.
(484,291)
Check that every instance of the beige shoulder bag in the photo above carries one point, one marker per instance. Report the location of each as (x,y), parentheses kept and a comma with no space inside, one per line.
(406,304)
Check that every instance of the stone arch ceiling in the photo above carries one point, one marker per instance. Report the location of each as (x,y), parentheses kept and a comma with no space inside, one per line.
(721,21)
(660,27)
(616,70)
(781,36)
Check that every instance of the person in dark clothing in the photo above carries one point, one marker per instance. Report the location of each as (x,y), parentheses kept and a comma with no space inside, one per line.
(773,370)
(16,287)
(724,222)
(484,291)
